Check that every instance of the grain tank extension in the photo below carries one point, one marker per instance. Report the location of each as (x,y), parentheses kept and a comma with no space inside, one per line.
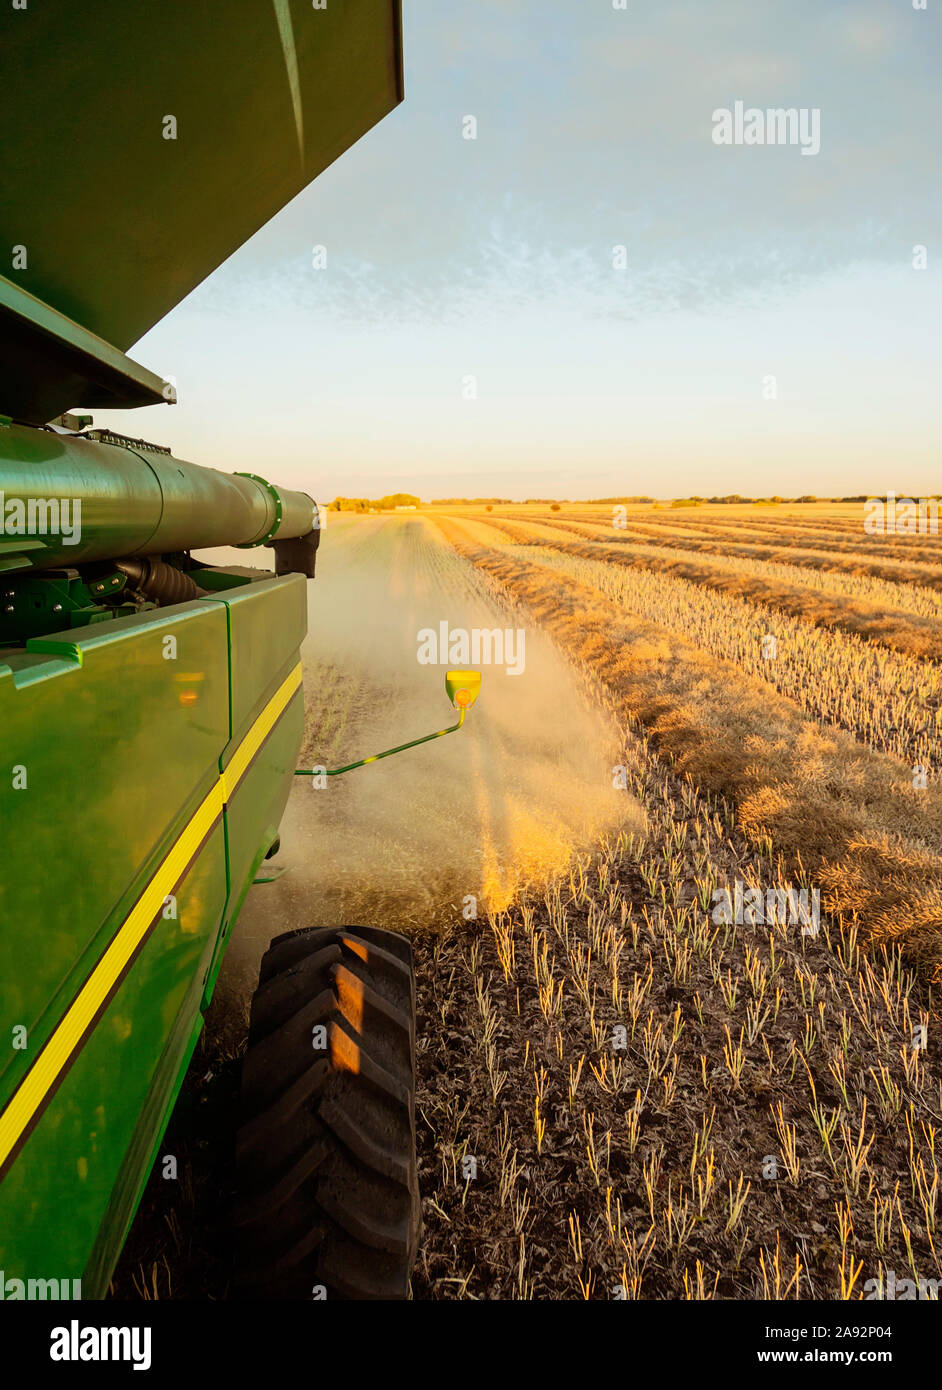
(151,706)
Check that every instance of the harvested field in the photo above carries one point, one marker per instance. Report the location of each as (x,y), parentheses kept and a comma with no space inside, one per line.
(648,1170)
(816,599)
(860,559)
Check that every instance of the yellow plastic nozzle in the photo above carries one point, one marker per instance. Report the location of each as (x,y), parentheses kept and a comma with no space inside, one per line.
(463,687)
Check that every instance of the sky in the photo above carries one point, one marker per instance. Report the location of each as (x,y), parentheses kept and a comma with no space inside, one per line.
(471,333)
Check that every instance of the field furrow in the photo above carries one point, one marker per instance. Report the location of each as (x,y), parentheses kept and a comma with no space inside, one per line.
(857,563)
(776,587)
(843,536)
(885,593)
(890,703)
(848,814)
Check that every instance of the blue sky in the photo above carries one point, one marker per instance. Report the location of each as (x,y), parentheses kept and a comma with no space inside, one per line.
(492,258)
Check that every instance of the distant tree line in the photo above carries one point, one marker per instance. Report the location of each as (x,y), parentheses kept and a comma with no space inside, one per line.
(735,498)
(378,504)
(731,499)
(407,499)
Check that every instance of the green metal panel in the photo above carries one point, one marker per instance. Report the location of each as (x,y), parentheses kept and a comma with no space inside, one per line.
(103,759)
(111,738)
(111,752)
(267,624)
(46,359)
(118,222)
(68,1199)
(139,740)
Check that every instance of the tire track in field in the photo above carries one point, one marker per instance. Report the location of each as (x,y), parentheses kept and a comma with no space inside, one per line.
(405,842)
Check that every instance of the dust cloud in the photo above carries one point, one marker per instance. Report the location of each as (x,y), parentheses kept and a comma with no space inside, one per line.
(412,841)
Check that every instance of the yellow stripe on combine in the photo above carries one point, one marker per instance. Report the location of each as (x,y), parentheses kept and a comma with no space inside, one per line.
(259,731)
(60,1046)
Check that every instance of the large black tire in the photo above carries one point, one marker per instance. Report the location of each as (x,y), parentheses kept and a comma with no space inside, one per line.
(328,1200)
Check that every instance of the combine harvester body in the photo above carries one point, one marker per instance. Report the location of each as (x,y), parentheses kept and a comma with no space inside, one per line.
(151,707)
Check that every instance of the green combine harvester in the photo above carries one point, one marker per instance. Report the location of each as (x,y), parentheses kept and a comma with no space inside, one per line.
(151,705)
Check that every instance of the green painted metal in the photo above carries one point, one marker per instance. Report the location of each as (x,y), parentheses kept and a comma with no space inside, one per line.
(46,358)
(462,688)
(40,604)
(153,140)
(119,1217)
(132,501)
(375,757)
(108,745)
(263,651)
(139,739)
(116,736)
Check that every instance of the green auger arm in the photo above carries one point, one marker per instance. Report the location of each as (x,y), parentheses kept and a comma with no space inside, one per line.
(462,687)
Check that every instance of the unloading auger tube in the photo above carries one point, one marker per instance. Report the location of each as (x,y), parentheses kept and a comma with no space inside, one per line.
(135,500)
